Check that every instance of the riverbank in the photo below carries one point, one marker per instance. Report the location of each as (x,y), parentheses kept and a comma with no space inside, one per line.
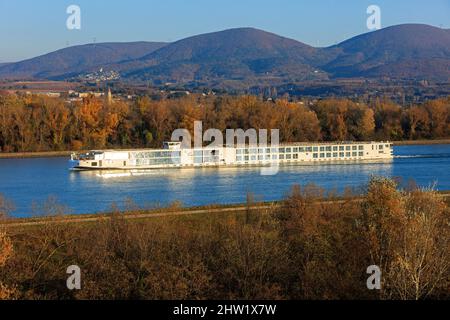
(55,154)
(249,252)
(22,155)
(421,142)
(167,212)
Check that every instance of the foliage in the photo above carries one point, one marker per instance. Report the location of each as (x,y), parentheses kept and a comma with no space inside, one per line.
(38,123)
(309,247)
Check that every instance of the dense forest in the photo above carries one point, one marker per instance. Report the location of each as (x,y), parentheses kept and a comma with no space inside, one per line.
(39,123)
(308,247)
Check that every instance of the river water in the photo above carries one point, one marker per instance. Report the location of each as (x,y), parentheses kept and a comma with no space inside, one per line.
(29,183)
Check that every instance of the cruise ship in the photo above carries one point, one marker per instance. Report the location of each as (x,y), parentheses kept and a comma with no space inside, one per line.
(173,155)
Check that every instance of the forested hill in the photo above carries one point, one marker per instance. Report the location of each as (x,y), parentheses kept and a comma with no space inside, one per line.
(244,57)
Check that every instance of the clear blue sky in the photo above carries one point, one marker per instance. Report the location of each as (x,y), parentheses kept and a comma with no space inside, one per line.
(33,27)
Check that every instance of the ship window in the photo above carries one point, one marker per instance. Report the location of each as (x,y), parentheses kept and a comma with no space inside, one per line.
(381,146)
(268,150)
(328,155)
(274,157)
(94,164)
(322,155)
(267,157)
(361,147)
(246,158)
(288,157)
(295,150)
(335,155)
(361,154)
(282,150)
(239,158)
(310,149)
(348,154)
(295,156)
(341,154)
(239,151)
(315,155)
(288,150)
(253,158)
(354,148)
(261,151)
(322,148)
(341,148)
(281,156)
(315,149)
(274,150)
(328,148)
(301,149)
(260,158)
(354,154)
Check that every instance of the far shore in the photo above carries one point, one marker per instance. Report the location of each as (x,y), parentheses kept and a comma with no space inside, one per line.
(55,154)
(421,142)
(47,154)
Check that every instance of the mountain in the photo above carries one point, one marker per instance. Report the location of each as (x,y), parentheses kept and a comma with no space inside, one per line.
(247,56)
(235,54)
(74,60)
(404,51)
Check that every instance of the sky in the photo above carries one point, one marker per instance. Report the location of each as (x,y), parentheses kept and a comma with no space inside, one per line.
(29,28)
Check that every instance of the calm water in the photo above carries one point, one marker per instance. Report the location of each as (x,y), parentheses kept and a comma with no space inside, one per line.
(28,181)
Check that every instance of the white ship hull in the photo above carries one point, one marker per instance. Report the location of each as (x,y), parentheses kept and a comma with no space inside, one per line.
(173,156)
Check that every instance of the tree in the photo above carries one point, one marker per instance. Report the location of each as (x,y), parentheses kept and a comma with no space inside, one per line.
(331,114)
(407,235)
(382,215)
(6,250)
(360,122)
(439,116)
(388,120)
(421,264)
(416,123)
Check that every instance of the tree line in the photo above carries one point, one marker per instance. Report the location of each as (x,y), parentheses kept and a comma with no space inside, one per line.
(39,123)
(309,247)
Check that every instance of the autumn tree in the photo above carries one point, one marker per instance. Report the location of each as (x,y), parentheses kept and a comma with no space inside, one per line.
(439,117)
(421,264)
(416,123)
(407,236)
(6,250)
(331,114)
(96,121)
(388,120)
(382,215)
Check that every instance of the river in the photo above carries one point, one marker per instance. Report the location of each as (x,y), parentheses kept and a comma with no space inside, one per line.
(30,183)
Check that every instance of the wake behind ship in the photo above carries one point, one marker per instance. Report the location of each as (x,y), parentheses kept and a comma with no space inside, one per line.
(174,156)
